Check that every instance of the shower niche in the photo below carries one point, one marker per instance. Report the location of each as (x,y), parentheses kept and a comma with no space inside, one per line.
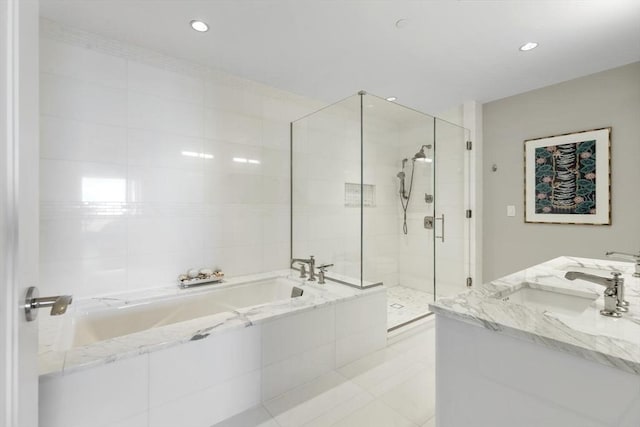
(365,173)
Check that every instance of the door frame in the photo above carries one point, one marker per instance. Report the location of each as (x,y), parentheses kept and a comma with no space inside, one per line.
(8,217)
(19,129)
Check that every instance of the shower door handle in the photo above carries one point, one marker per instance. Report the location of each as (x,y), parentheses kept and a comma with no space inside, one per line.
(441,236)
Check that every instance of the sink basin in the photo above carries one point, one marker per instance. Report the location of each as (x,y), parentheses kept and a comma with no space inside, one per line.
(551,299)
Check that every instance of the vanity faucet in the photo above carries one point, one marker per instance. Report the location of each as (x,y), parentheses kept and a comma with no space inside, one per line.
(614,302)
(627,257)
(311,262)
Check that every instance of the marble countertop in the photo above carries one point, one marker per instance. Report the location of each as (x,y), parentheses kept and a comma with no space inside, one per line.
(610,341)
(53,362)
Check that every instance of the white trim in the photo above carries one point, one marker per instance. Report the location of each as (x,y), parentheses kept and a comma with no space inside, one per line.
(8,156)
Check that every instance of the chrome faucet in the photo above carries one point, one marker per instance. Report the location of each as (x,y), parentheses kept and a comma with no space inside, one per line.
(322,269)
(627,257)
(312,267)
(614,302)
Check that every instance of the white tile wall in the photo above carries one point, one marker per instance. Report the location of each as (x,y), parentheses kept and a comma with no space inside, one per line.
(96,397)
(187,369)
(292,354)
(122,207)
(326,156)
(362,327)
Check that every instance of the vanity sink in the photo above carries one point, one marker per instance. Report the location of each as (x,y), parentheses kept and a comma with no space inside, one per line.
(556,300)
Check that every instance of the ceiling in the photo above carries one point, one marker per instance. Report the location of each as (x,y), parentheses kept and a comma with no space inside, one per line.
(448,52)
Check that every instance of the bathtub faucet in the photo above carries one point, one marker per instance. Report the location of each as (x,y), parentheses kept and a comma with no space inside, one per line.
(312,267)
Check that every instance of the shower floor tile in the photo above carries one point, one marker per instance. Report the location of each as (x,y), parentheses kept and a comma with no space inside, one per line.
(405,304)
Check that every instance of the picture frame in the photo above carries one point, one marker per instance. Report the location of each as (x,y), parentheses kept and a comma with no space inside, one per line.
(567,178)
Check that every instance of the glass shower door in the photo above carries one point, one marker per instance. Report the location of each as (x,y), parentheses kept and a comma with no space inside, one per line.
(452,227)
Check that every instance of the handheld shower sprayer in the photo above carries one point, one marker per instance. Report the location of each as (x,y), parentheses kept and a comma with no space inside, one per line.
(404,195)
(401,176)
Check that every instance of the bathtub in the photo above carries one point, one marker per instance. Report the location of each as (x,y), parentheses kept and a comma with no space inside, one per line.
(194,357)
(96,325)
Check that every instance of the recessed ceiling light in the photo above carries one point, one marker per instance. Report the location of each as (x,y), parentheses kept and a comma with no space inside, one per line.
(528,46)
(401,23)
(199,26)
(391,98)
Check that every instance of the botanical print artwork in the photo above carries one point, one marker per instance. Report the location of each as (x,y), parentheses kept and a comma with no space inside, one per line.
(565,178)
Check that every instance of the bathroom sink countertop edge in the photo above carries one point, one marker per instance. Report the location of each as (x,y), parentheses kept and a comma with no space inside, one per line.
(609,341)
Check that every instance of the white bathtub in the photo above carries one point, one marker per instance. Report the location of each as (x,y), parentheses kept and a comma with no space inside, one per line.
(98,325)
(172,357)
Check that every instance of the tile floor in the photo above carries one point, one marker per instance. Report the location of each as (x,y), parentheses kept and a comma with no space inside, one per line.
(405,304)
(393,387)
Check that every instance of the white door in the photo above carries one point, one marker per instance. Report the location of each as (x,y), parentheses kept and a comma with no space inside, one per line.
(18,210)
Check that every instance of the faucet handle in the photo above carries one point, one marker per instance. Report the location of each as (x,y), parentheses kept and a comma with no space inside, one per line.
(611,308)
(618,283)
(324,267)
(635,258)
(624,256)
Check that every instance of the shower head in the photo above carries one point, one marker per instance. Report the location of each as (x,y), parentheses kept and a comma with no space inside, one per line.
(404,162)
(421,155)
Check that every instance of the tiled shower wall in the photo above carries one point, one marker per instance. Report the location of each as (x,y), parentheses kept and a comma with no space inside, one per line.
(327,156)
(138,180)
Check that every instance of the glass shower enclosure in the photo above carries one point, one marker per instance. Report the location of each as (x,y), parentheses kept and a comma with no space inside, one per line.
(379,194)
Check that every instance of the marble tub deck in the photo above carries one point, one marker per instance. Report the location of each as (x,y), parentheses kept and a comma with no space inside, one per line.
(53,362)
(609,341)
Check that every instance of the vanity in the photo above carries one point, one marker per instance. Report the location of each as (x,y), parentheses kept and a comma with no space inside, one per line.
(533,349)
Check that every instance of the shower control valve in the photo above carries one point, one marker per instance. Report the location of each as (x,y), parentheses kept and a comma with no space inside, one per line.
(428,222)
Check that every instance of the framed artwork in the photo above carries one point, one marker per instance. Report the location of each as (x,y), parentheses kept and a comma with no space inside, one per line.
(567,178)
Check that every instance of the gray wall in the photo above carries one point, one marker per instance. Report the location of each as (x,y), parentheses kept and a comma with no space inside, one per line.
(609,98)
